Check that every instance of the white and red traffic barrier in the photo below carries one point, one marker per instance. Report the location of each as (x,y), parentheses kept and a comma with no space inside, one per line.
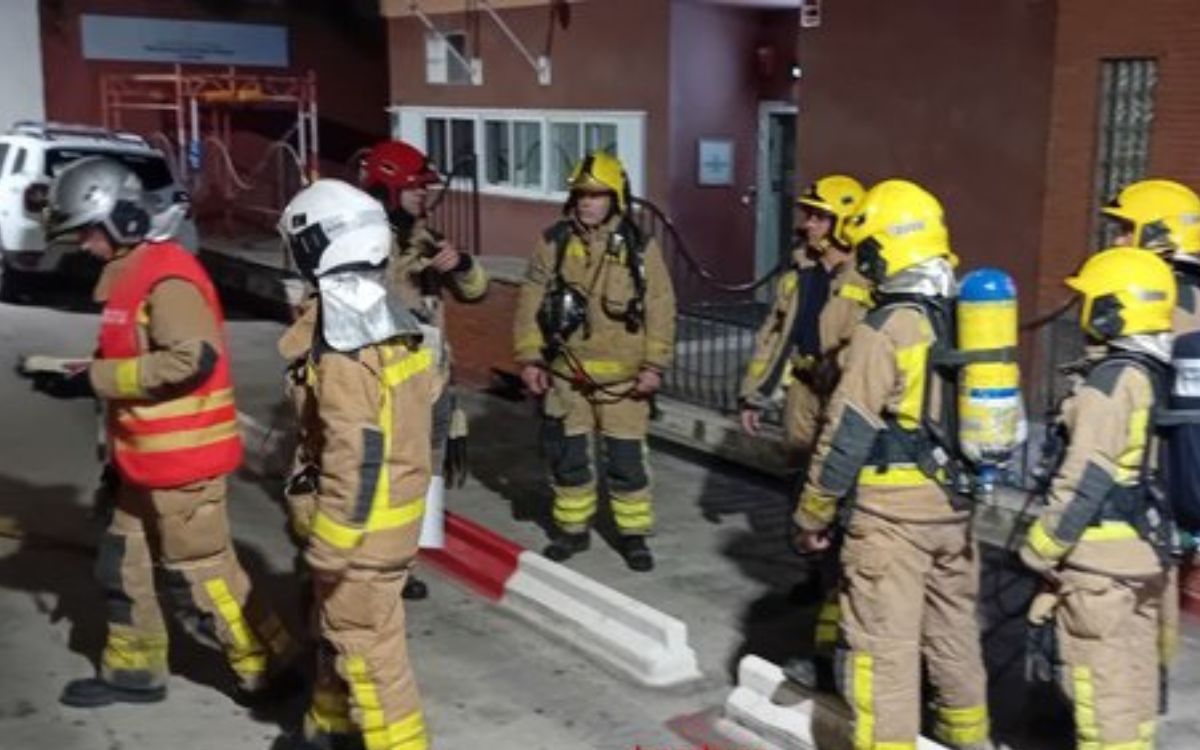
(617,630)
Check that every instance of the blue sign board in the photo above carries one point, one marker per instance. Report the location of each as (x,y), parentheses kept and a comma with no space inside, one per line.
(183,41)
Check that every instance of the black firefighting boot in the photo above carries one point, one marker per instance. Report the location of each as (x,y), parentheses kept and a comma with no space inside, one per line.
(415,589)
(94,692)
(564,546)
(637,554)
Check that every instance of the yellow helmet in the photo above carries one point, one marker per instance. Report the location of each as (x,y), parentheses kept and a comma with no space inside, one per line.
(836,195)
(602,172)
(897,225)
(1125,291)
(1163,214)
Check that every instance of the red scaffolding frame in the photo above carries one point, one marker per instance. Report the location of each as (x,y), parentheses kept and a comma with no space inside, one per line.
(194,96)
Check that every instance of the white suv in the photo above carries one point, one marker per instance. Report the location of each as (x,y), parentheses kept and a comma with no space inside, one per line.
(33,153)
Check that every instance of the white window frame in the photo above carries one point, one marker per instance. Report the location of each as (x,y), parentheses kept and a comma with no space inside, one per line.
(440,62)
(408,124)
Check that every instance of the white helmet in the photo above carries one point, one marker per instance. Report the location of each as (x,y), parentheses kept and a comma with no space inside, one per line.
(333,226)
(96,191)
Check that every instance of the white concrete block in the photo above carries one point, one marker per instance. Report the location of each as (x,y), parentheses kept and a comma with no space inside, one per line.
(637,640)
(777,713)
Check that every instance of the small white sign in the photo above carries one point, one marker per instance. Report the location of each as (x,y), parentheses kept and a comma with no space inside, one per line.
(715,162)
(171,41)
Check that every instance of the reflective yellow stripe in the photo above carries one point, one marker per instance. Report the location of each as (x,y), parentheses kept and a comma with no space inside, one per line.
(473,283)
(408,733)
(1109,531)
(962,726)
(863,702)
(1045,545)
(827,623)
(346,536)
(606,368)
(911,361)
(247,656)
(395,518)
(135,653)
(530,342)
(579,502)
(1085,709)
(128,378)
(396,373)
(896,475)
(329,713)
(172,441)
(819,507)
(787,284)
(334,532)
(179,407)
(576,249)
(366,700)
(1129,463)
(758,367)
(859,294)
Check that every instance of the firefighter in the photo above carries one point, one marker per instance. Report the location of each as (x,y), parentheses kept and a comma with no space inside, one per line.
(162,367)
(1098,544)
(423,267)
(594,331)
(1163,216)
(372,384)
(910,566)
(818,301)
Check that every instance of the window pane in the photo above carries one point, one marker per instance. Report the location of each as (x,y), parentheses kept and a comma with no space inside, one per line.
(497,152)
(457,70)
(600,137)
(527,145)
(3,155)
(19,164)
(566,149)
(435,142)
(462,141)
(1126,115)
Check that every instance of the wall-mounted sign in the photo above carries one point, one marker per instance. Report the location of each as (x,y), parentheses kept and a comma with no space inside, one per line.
(715,162)
(180,41)
(810,14)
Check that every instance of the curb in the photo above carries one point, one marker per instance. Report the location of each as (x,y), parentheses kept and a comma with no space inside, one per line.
(633,638)
(767,709)
(637,640)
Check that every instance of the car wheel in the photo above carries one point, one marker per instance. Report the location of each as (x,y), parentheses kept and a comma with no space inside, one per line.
(8,283)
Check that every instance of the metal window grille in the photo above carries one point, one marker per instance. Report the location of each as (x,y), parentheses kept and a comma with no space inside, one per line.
(1126,114)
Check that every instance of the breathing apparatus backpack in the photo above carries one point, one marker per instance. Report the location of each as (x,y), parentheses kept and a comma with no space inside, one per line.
(980,417)
(564,308)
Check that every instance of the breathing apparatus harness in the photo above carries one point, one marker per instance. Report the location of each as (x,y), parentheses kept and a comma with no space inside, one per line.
(934,446)
(564,308)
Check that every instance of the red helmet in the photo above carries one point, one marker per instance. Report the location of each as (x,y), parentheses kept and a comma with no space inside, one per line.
(394,166)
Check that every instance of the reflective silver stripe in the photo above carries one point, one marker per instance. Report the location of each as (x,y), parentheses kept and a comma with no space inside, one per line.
(1187,378)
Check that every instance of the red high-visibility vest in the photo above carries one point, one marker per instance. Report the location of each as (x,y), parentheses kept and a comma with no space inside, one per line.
(159,444)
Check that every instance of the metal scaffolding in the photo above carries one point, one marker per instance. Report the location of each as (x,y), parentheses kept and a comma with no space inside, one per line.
(192,97)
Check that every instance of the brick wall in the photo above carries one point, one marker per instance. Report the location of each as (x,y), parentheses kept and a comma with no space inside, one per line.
(1087,33)
(481,335)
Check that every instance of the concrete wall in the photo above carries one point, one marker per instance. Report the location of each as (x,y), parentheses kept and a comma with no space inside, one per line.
(955,95)
(21,86)
(614,56)
(716,86)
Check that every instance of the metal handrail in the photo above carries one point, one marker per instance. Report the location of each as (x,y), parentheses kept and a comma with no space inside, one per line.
(680,248)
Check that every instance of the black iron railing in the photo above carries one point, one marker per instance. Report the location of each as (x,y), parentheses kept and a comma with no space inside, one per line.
(716,319)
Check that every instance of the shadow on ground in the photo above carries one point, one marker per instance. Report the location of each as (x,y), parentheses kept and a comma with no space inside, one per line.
(56,537)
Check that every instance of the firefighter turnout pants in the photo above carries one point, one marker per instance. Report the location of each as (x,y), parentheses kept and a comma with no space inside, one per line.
(186,532)
(1108,635)
(909,592)
(365,684)
(573,422)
